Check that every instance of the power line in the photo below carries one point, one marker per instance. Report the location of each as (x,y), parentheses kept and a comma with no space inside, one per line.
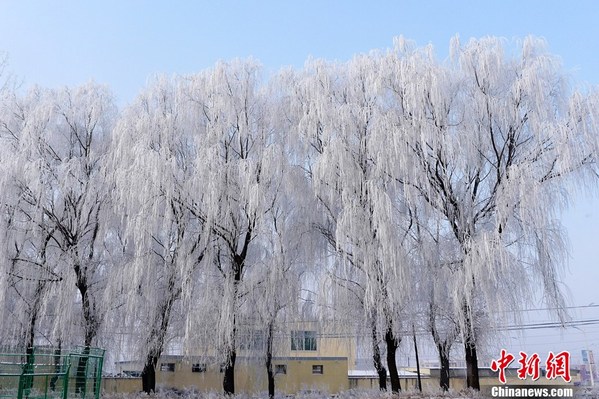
(551,324)
(590,305)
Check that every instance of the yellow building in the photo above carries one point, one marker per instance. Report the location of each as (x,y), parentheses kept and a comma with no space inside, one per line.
(307,358)
(292,375)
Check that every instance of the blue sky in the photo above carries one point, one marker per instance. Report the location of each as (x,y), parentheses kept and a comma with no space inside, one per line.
(122,43)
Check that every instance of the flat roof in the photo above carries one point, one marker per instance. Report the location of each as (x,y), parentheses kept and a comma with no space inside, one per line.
(374,374)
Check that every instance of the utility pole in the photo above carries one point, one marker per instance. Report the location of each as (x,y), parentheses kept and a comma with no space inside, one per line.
(417,361)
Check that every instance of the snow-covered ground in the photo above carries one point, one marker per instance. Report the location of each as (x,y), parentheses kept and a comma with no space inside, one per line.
(582,393)
(353,394)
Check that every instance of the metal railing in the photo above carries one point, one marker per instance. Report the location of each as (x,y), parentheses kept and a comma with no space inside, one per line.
(41,373)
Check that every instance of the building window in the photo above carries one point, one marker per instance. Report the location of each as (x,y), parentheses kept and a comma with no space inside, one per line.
(303,340)
(317,369)
(170,367)
(198,368)
(280,369)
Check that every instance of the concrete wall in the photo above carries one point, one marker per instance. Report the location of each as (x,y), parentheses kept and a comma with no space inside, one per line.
(409,384)
(121,385)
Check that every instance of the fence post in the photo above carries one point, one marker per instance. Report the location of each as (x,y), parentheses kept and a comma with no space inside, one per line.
(65,383)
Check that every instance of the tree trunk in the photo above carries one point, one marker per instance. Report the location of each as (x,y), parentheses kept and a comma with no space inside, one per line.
(35,308)
(57,366)
(30,350)
(30,336)
(443,348)
(81,374)
(89,318)
(229,378)
(472,380)
(269,372)
(238,262)
(417,359)
(155,341)
(444,363)
(148,375)
(89,328)
(271,377)
(376,359)
(392,345)
(28,370)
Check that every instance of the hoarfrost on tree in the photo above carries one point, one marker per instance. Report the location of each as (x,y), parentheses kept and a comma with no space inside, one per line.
(56,193)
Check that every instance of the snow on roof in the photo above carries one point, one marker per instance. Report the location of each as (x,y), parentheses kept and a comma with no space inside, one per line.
(373,374)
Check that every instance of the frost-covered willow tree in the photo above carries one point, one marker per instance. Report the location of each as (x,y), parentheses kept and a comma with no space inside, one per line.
(285,254)
(277,284)
(492,144)
(338,111)
(26,270)
(434,285)
(153,162)
(238,165)
(55,194)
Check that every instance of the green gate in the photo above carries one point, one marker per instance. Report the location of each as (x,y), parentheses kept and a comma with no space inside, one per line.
(41,373)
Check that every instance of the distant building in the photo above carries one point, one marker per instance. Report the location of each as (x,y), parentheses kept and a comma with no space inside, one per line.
(305,359)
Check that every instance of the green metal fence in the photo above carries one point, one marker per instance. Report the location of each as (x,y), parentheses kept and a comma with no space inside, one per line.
(41,373)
